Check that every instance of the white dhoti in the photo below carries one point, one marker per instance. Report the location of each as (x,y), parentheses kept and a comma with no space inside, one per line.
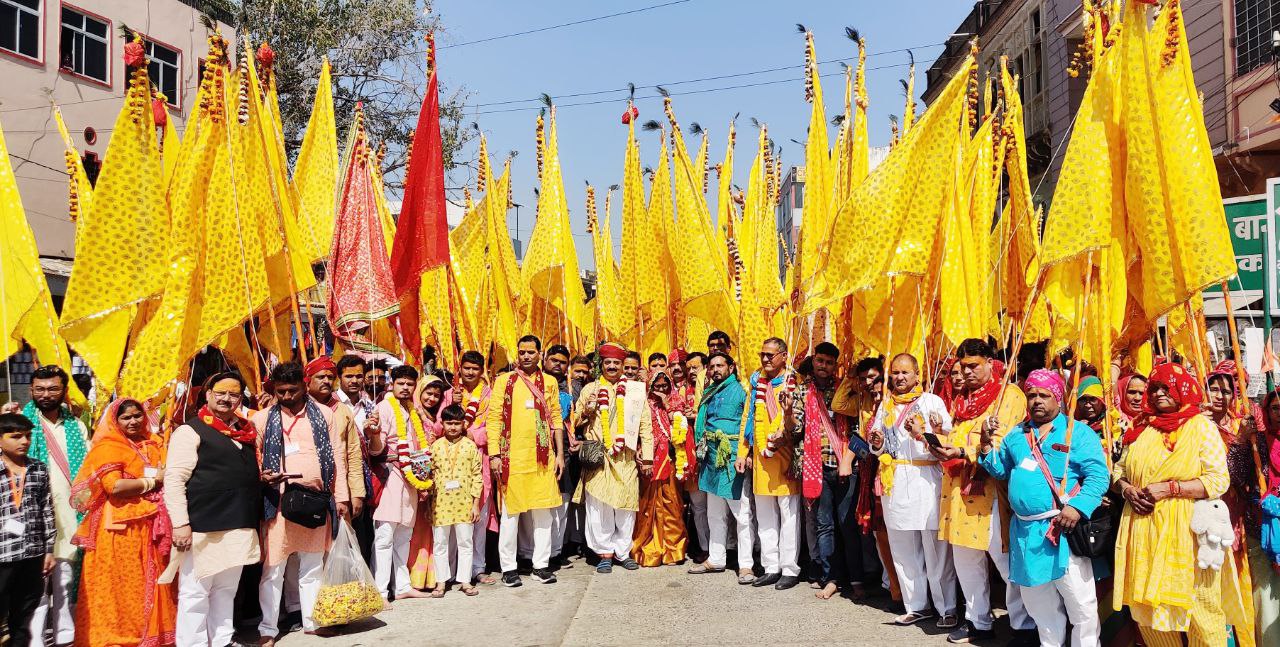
(609,529)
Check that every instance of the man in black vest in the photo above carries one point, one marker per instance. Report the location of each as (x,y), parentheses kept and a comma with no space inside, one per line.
(214,496)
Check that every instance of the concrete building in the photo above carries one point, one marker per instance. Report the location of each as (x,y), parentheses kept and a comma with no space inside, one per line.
(70,52)
(1230,43)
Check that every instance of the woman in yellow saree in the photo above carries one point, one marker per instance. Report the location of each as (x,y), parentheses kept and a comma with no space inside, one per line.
(1177,458)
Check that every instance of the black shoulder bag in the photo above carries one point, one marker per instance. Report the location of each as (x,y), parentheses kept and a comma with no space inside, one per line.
(1093,536)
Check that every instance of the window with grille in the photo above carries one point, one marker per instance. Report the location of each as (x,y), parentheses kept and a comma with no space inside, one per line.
(20,27)
(85,47)
(164,66)
(1255,20)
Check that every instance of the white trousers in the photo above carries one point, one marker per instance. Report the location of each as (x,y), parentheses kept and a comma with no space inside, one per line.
(391,555)
(718,511)
(1070,598)
(971,570)
(444,539)
(698,503)
(609,529)
(524,545)
(271,587)
(560,523)
(779,521)
(479,541)
(205,606)
(923,565)
(509,530)
(55,608)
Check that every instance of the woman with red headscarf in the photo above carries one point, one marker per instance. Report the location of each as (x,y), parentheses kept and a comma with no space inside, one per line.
(660,532)
(1176,458)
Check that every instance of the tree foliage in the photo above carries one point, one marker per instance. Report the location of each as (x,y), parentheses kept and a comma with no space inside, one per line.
(377,55)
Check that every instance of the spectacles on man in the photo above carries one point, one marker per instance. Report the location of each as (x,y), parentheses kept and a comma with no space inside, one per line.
(768,357)
(227,395)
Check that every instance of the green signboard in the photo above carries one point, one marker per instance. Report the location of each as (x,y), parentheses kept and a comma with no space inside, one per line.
(1250,221)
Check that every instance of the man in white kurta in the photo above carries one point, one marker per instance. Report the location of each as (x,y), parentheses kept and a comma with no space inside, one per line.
(609,412)
(910,482)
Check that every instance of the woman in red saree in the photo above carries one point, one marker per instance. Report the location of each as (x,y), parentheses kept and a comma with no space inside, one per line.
(659,537)
(429,397)
(125,535)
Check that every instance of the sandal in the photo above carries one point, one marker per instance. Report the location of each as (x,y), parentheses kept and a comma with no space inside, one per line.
(700,569)
(438,592)
(468,590)
(912,618)
(486,579)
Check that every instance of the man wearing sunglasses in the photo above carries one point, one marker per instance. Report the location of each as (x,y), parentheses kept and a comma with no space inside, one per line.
(766,447)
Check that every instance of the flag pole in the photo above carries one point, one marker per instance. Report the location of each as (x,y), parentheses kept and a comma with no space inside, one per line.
(1241,377)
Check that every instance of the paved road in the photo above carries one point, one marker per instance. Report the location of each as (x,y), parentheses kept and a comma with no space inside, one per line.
(661,606)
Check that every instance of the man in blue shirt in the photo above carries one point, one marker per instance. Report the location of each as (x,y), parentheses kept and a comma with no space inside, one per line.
(1057,586)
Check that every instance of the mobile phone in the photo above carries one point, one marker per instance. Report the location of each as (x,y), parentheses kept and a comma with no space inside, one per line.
(932,440)
(291,476)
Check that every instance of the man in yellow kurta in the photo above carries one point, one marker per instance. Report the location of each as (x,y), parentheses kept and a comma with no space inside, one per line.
(766,446)
(973,513)
(526,457)
(609,412)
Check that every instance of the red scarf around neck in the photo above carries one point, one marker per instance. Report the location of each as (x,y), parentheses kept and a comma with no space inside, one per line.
(972,404)
(239,430)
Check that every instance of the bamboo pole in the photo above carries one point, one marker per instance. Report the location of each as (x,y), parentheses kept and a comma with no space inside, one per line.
(1241,378)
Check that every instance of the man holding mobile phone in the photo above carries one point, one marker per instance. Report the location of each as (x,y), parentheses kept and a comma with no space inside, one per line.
(302,446)
(911,484)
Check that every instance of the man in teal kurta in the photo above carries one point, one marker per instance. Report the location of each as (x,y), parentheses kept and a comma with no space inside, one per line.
(1057,585)
(716,434)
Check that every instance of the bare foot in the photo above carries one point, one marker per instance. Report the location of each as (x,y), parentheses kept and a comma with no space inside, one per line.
(827,591)
(468,590)
(412,593)
(264,641)
(815,585)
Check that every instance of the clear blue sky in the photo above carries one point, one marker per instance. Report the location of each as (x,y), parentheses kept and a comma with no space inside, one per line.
(690,40)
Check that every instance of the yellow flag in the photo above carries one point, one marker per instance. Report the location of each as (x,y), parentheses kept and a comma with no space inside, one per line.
(503,270)
(1082,262)
(726,213)
(609,309)
(890,222)
(550,269)
(659,319)
(634,261)
(26,309)
(818,181)
(761,313)
(1016,242)
(704,281)
(218,240)
(315,176)
(1175,213)
(79,189)
(122,251)
(965,268)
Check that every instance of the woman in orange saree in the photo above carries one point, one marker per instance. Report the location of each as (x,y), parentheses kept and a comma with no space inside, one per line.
(125,535)
(659,537)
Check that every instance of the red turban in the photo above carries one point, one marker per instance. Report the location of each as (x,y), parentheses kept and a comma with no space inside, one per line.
(322,363)
(677,356)
(611,350)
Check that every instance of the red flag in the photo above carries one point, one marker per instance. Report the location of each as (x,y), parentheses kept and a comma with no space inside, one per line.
(422,232)
(360,290)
